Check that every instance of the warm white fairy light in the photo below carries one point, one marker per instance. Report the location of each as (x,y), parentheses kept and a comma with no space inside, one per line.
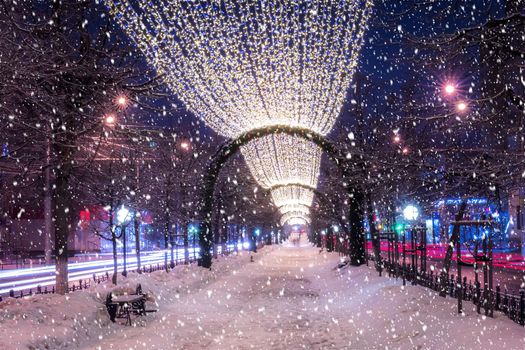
(294,208)
(296,221)
(282,159)
(286,218)
(292,195)
(241,65)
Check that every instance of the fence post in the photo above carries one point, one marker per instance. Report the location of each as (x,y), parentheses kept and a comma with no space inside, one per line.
(459,289)
(478,297)
(522,307)
(498,297)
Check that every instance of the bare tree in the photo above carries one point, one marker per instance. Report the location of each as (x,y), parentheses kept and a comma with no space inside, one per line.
(62,71)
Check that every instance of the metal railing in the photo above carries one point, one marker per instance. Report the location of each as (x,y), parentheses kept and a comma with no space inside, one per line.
(221,250)
(485,299)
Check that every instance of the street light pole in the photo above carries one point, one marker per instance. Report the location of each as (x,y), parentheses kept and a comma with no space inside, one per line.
(123,229)
(136,223)
(123,220)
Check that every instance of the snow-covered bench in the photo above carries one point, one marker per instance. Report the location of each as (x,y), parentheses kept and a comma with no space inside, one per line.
(123,306)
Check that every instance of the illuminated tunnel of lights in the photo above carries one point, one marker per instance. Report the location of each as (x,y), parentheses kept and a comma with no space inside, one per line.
(245,65)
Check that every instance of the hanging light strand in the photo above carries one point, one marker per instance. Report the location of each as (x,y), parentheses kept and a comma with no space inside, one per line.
(294,208)
(282,159)
(294,216)
(295,221)
(250,64)
(292,195)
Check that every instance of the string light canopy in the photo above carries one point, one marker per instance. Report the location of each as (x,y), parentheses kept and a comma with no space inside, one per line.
(290,217)
(281,159)
(292,195)
(241,65)
(294,208)
(296,221)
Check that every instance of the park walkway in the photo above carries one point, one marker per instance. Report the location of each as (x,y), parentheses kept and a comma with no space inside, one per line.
(292,297)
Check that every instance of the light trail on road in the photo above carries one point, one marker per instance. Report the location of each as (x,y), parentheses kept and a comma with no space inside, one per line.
(44,276)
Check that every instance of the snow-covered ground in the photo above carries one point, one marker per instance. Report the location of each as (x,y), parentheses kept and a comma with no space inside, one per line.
(291,297)
(57,322)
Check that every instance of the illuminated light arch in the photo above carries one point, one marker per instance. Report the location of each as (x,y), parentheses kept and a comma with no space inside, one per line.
(281,159)
(295,208)
(292,194)
(244,65)
(252,66)
(347,166)
(294,215)
(296,221)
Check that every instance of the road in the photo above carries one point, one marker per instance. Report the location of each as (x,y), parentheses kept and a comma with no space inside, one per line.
(26,279)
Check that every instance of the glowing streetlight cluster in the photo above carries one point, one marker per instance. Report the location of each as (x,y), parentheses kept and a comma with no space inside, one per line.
(121,102)
(249,64)
(451,92)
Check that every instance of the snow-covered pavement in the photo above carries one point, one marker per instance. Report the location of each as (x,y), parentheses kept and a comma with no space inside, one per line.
(290,297)
(293,298)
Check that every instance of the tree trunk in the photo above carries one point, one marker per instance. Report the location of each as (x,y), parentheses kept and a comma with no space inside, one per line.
(136,224)
(450,250)
(167,223)
(62,226)
(114,246)
(62,215)
(376,244)
(357,241)
(186,242)
(136,218)
(236,239)
(217,229)
(166,240)
(329,239)
(172,245)
(48,209)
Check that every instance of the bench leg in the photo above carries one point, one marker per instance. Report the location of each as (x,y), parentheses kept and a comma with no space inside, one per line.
(128,316)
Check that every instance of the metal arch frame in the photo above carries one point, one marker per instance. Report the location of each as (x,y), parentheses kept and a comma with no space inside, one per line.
(230,148)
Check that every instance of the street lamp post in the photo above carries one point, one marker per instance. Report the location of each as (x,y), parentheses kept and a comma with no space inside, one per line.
(123,219)
(124,238)
(136,224)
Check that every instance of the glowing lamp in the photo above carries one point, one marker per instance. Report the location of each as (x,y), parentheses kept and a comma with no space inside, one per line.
(461,106)
(110,119)
(123,216)
(410,213)
(450,89)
